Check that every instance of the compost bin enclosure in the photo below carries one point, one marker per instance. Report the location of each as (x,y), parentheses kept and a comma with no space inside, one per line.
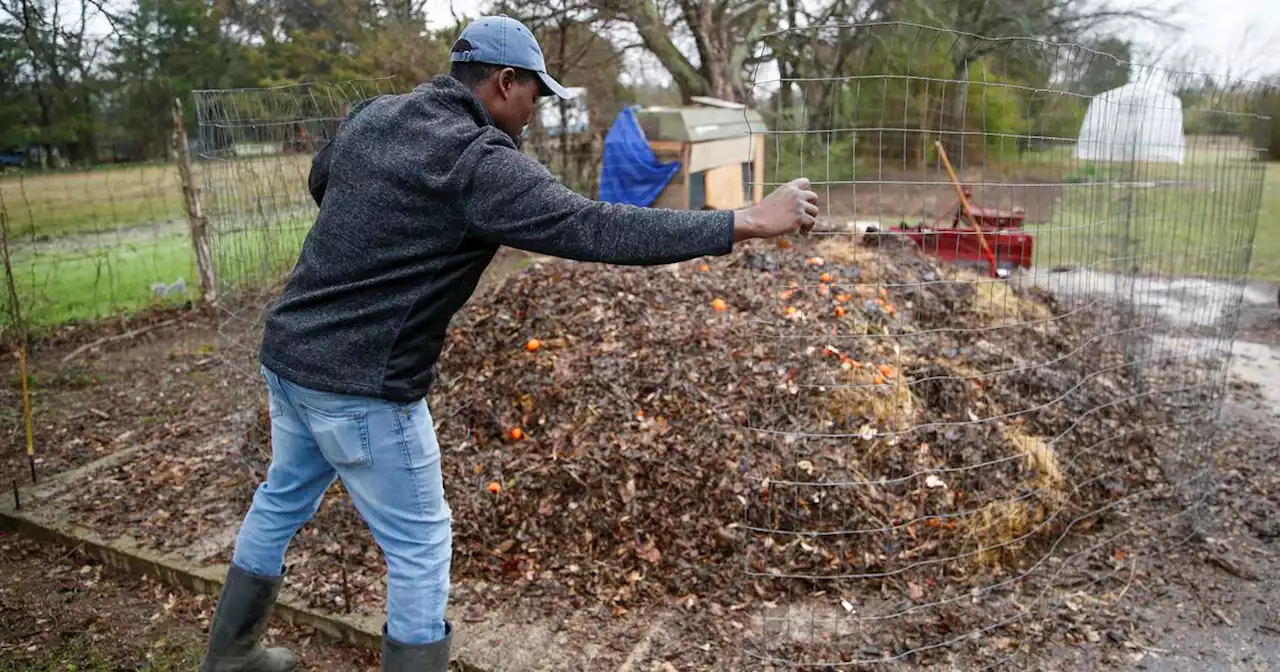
(720,150)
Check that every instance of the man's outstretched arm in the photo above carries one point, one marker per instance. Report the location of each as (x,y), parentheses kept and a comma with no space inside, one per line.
(513,200)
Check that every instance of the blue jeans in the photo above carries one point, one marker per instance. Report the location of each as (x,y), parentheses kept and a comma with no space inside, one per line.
(389,461)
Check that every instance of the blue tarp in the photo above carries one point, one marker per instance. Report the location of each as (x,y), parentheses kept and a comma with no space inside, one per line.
(631,173)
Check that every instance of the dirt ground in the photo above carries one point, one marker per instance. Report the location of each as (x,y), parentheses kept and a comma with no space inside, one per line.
(1197,595)
(153,376)
(1204,603)
(58,613)
(931,195)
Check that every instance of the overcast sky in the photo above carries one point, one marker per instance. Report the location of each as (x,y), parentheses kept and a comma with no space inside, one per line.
(1241,37)
(1238,37)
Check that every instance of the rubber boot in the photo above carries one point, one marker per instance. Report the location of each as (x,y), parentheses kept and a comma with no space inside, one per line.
(238,624)
(433,657)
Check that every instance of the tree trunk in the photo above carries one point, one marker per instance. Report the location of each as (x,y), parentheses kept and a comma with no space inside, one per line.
(954,142)
(564,105)
(656,37)
(786,65)
(786,72)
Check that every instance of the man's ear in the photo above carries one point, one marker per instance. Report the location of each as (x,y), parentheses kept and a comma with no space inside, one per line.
(506,81)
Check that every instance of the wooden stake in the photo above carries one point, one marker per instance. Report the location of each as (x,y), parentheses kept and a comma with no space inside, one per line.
(26,409)
(195,216)
(964,207)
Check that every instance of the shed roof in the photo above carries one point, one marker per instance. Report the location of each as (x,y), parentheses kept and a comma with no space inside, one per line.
(698,124)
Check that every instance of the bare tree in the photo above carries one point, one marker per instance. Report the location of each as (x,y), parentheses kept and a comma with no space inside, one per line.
(979,23)
(723,32)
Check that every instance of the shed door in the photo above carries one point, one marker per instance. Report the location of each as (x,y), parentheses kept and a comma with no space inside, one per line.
(697,190)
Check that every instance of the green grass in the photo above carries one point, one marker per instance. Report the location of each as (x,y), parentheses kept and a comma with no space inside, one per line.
(1266,252)
(1175,230)
(89,244)
(88,284)
(45,205)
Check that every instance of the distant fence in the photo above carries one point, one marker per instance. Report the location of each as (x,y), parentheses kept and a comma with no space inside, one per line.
(224,221)
(90,244)
(257,146)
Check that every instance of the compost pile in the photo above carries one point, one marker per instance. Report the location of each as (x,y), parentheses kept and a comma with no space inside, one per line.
(733,431)
(754,424)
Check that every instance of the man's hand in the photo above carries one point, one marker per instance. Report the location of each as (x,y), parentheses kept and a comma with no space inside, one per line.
(789,208)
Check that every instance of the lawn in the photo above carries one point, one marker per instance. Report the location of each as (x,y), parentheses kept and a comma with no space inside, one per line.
(1193,219)
(86,245)
(1266,252)
(1171,229)
(40,206)
(61,286)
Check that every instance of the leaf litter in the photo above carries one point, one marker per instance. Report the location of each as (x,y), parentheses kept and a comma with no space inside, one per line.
(850,425)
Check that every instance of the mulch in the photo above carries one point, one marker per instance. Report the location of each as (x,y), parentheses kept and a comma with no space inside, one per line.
(848,426)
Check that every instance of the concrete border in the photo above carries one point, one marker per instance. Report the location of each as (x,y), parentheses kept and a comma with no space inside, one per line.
(124,555)
(500,638)
(492,646)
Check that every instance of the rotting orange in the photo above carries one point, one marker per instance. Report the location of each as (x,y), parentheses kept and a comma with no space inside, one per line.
(533,345)
(719,305)
(494,487)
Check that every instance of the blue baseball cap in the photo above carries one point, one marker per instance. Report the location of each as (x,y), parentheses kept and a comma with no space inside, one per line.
(501,40)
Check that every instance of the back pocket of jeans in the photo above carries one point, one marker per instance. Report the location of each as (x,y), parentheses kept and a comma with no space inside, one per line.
(343,438)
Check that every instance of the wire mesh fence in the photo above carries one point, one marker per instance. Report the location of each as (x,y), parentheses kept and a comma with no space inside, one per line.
(950,451)
(976,395)
(955,492)
(91,244)
(81,247)
(256,150)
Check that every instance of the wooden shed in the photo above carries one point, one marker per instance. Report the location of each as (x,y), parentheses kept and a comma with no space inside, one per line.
(720,147)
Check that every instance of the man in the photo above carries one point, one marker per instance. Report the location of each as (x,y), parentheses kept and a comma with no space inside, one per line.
(417,192)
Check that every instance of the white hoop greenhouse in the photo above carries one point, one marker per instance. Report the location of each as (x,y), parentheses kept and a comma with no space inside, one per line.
(1140,121)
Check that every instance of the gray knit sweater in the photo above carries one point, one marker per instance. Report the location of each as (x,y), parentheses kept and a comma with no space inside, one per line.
(417,192)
